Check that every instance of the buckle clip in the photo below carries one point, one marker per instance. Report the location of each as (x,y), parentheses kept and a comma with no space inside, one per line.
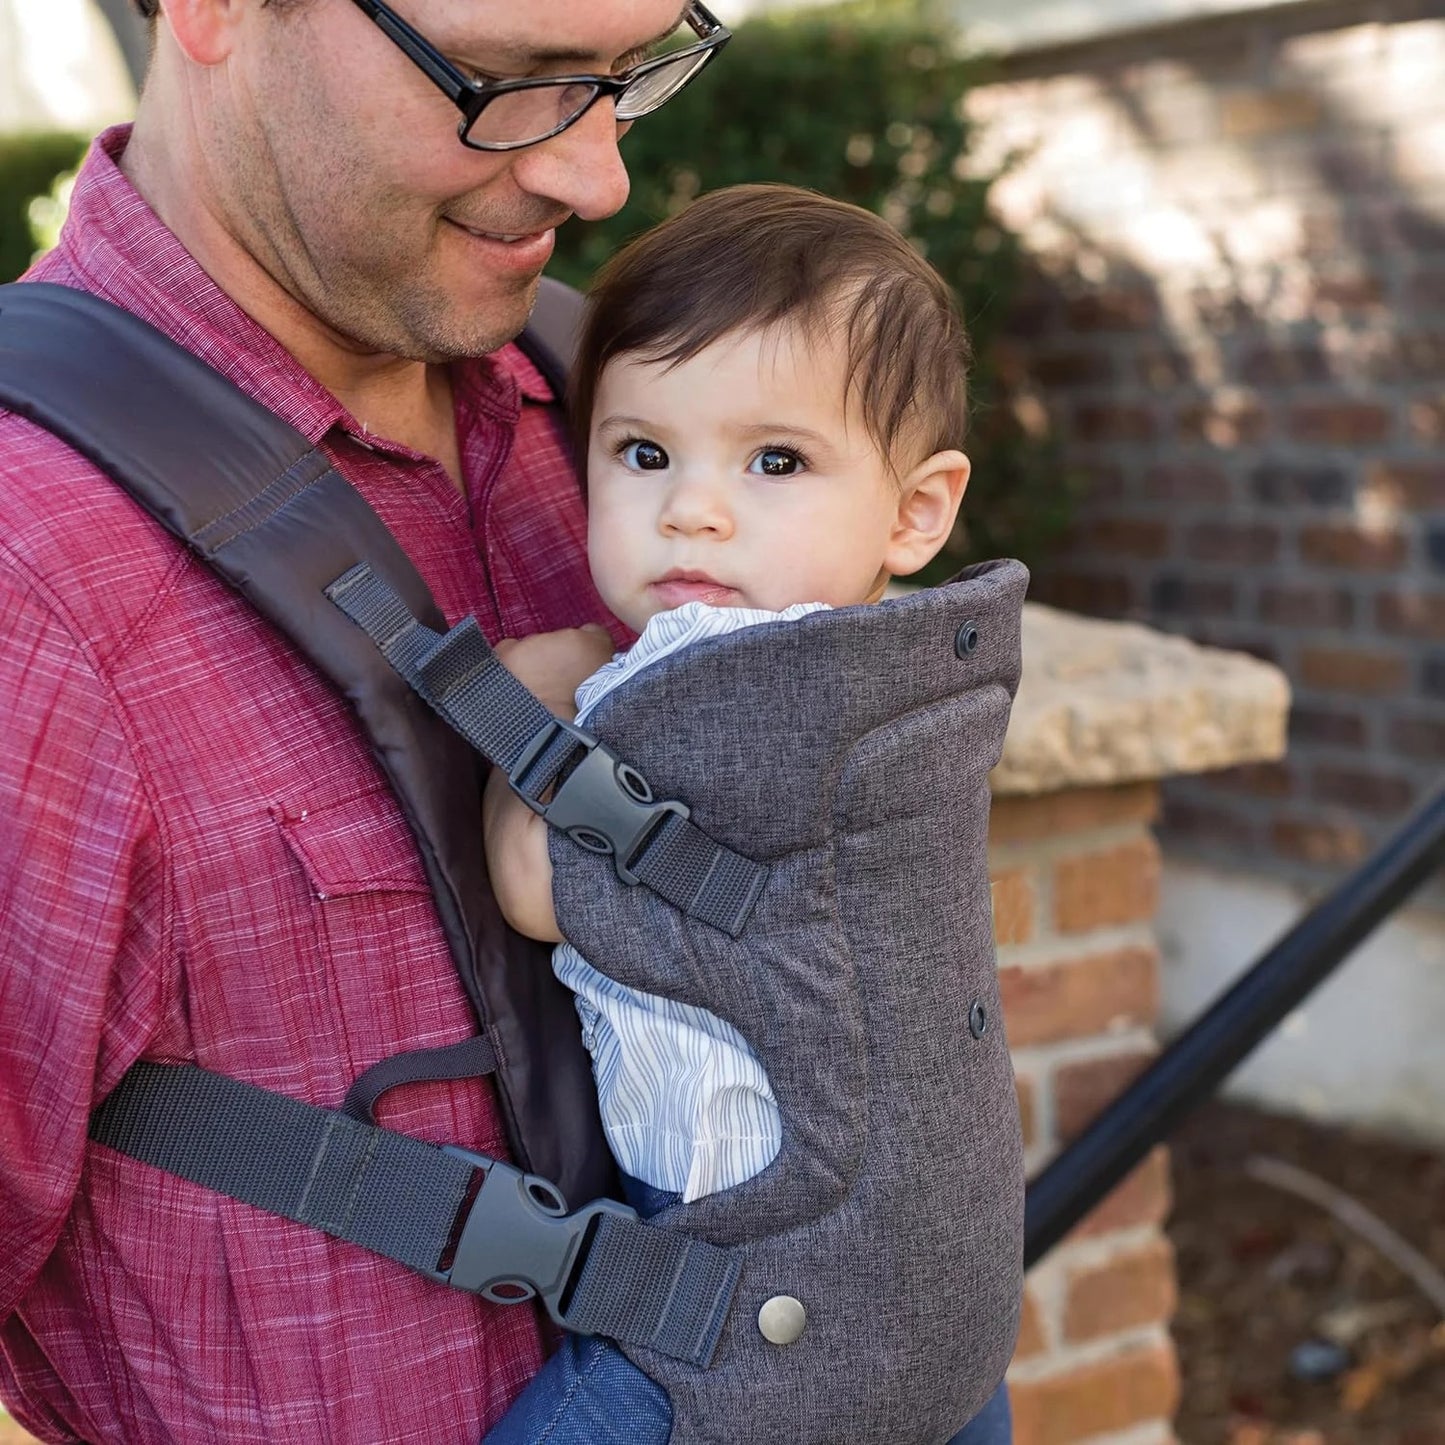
(518,1242)
(604,804)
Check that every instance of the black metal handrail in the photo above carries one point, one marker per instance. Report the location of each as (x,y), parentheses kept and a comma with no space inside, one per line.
(1195,1064)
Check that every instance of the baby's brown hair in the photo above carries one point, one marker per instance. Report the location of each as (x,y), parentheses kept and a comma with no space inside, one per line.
(747,258)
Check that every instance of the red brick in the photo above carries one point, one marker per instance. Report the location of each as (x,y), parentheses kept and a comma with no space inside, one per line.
(1032,1339)
(1052,815)
(1085,996)
(1205,823)
(1349,293)
(1187,482)
(1282,365)
(1107,887)
(1256,780)
(1013,906)
(1175,595)
(1238,543)
(1417,486)
(1082,1090)
(1124,537)
(1341,423)
(1117,310)
(1089,592)
(1114,422)
(1060,370)
(1124,1293)
(1345,669)
(1248,113)
(1358,548)
(1331,727)
(1363,789)
(1027,1090)
(1099,1398)
(1427,420)
(1413,614)
(1142,1198)
(1306,606)
(1223,423)
(1419,737)
(1319,842)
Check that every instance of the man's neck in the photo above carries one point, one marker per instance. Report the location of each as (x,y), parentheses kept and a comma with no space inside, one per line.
(393,397)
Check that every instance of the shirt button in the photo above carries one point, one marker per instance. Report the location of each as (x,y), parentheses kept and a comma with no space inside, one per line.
(782,1319)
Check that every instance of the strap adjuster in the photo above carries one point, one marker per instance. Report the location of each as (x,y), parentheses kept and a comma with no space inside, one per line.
(518,1242)
(603,804)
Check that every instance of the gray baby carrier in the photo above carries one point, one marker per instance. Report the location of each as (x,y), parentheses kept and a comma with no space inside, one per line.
(784,825)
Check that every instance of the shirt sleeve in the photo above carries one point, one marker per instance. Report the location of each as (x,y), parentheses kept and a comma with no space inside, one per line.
(81,920)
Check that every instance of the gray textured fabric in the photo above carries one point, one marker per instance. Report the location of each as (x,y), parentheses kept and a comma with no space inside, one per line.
(858,770)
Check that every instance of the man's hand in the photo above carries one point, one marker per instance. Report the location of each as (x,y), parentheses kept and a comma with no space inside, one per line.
(552,664)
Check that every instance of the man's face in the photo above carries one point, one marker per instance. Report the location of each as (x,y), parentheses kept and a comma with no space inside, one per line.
(337,165)
(740,478)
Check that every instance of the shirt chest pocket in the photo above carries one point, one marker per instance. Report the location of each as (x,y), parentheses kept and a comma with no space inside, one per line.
(371,906)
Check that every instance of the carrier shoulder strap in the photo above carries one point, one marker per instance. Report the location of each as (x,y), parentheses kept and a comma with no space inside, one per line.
(268,512)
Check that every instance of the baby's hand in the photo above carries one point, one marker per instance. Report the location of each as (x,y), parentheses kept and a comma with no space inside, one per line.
(553,663)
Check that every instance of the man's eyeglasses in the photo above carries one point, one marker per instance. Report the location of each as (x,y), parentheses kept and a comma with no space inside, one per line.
(505,115)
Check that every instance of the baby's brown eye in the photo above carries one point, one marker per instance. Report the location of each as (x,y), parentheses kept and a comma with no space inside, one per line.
(644,456)
(776,462)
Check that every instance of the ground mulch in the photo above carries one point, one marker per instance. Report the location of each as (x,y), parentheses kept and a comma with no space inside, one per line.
(1264,1273)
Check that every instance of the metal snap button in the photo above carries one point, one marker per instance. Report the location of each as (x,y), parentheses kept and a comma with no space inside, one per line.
(966,639)
(782,1319)
(978,1020)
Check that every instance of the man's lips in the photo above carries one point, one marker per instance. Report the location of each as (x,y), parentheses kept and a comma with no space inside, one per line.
(525,249)
(674,588)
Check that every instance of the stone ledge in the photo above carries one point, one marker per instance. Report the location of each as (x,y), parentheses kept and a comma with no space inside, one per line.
(1116,702)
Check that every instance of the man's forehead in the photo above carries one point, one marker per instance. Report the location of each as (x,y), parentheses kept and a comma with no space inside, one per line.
(548,31)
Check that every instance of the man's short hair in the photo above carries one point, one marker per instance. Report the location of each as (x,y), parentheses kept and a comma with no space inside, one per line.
(749,258)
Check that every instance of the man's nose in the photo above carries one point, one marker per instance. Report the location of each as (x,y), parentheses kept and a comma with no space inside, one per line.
(581,168)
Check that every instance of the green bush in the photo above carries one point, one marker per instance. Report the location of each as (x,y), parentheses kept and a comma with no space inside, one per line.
(861,102)
(29,165)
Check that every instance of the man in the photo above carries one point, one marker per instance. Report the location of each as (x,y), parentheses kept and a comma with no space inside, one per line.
(199,861)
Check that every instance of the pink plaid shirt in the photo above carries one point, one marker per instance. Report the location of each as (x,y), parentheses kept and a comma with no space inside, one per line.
(199,860)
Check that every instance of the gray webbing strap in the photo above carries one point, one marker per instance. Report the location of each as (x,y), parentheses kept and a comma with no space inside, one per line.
(469,1059)
(600,1270)
(601,803)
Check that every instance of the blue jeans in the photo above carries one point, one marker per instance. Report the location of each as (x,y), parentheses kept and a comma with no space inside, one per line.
(590,1393)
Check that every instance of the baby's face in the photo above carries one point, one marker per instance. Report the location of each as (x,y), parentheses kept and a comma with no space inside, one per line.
(739,478)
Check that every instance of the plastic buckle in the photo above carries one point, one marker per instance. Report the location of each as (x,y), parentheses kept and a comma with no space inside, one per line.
(604,805)
(518,1242)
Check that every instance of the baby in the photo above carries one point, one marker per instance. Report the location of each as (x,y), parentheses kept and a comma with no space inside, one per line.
(770,397)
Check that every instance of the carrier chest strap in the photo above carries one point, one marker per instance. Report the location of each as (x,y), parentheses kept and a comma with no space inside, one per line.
(600,802)
(599,1270)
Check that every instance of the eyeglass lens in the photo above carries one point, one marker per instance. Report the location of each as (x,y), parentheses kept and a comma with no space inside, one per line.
(518,116)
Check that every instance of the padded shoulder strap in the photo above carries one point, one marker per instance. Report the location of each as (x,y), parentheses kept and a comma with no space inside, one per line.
(267,511)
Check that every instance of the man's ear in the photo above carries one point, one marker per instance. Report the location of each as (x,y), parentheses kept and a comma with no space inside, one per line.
(928,502)
(203,29)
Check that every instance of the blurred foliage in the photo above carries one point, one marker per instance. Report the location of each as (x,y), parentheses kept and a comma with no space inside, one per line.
(862,102)
(29,167)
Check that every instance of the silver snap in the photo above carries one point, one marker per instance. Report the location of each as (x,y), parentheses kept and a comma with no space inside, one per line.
(978,1020)
(782,1319)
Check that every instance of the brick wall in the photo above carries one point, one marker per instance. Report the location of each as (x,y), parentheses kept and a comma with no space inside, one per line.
(1237,330)
(1075,890)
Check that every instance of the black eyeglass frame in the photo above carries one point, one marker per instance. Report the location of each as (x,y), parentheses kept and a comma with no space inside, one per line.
(472,97)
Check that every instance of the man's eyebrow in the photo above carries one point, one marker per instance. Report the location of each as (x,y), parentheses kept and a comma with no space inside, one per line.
(560,55)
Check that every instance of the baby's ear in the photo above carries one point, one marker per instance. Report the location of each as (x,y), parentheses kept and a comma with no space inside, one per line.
(928,502)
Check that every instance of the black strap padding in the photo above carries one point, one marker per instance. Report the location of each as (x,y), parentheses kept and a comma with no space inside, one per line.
(266,510)
(599,1271)
(550,340)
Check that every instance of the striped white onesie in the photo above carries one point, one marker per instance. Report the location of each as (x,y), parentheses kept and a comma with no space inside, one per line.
(685,1103)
